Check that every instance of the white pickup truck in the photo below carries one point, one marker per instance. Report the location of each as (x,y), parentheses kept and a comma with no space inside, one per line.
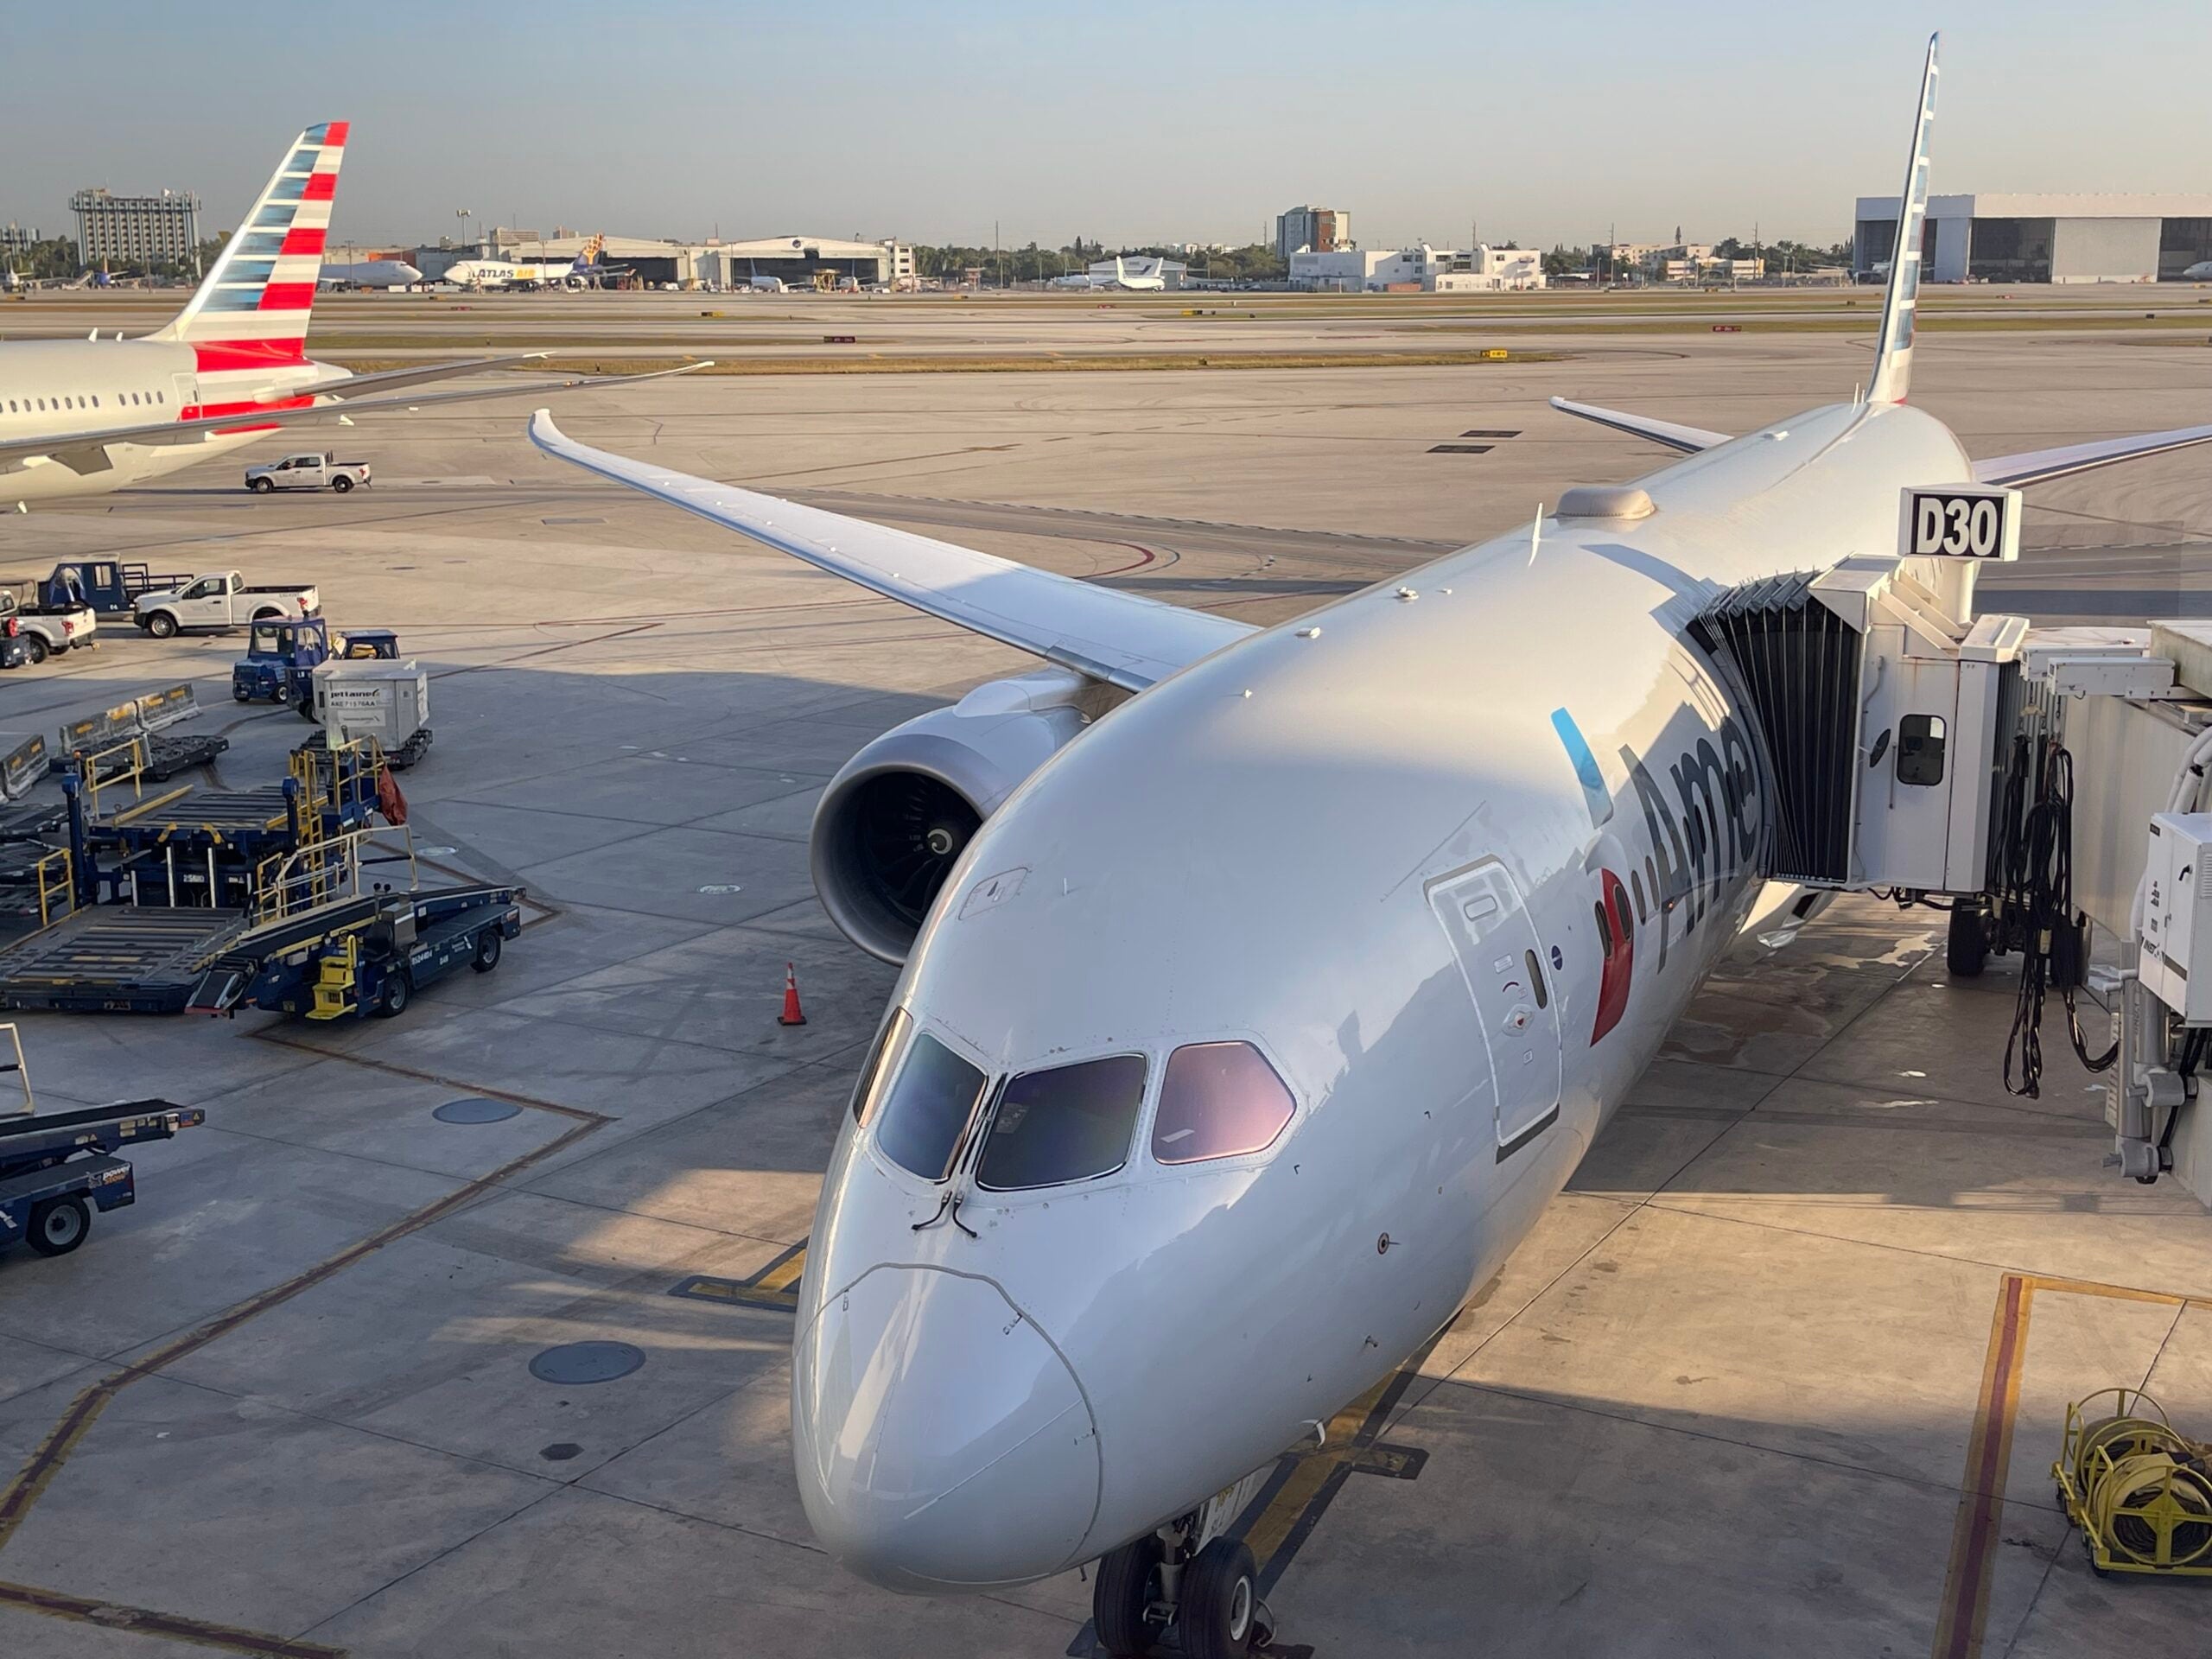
(307,472)
(47,630)
(222,600)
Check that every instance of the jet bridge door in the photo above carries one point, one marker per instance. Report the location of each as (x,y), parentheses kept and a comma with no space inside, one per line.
(1483,915)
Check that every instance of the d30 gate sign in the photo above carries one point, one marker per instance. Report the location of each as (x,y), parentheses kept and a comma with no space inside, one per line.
(1960,522)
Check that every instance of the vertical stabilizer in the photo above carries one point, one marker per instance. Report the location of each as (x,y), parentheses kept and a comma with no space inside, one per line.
(250,314)
(1893,353)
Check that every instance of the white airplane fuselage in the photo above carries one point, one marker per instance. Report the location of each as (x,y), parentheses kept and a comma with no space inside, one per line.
(1315,845)
(56,387)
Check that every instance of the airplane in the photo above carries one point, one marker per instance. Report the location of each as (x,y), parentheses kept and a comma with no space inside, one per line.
(85,417)
(1139,279)
(2199,272)
(589,271)
(1260,986)
(370,273)
(757,283)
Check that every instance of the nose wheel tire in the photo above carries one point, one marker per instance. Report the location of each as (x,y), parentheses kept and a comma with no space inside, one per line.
(1122,1595)
(1217,1613)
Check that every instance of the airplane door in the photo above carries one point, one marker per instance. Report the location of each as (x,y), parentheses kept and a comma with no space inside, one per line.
(1484,916)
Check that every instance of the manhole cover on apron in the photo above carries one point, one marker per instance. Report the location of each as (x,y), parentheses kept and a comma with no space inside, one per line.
(475,1108)
(586,1362)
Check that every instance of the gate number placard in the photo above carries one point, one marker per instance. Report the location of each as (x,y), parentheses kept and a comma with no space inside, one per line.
(1960,522)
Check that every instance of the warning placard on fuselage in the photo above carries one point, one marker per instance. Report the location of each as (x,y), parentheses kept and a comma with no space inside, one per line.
(1960,521)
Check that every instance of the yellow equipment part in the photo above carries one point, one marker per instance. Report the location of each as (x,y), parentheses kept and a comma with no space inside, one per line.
(335,979)
(2152,1511)
(2140,1491)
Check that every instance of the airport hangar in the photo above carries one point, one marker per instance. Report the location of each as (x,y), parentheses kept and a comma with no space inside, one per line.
(2045,239)
(795,259)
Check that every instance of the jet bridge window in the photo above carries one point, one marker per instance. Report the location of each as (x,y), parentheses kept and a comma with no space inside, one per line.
(1219,1100)
(1070,1124)
(925,1117)
(1920,749)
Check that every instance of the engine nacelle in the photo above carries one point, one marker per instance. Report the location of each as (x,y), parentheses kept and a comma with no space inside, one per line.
(895,820)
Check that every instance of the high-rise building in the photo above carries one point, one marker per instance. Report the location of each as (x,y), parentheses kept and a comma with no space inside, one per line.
(1312,230)
(17,239)
(135,232)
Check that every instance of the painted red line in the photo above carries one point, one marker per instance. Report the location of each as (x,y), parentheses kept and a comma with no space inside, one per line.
(1989,1453)
(1149,557)
(304,241)
(321,187)
(286,296)
(335,138)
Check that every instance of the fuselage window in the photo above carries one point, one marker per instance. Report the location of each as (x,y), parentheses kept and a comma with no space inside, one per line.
(1219,1100)
(1636,886)
(924,1115)
(1651,874)
(895,1028)
(1070,1124)
(1536,978)
(1605,929)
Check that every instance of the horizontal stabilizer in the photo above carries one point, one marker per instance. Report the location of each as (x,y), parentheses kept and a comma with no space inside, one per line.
(1687,439)
(2040,466)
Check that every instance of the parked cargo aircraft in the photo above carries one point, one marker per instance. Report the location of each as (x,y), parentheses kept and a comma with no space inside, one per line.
(1262,986)
(1142,276)
(84,417)
(2199,272)
(370,273)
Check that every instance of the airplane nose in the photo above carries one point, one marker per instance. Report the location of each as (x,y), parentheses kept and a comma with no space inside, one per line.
(941,1441)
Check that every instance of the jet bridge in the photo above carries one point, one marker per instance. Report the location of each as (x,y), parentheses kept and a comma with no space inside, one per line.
(2046,786)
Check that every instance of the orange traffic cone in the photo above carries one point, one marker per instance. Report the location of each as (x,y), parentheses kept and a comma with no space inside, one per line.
(790,1015)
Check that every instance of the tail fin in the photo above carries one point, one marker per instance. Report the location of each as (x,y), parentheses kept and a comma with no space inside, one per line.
(252,311)
(1893,352)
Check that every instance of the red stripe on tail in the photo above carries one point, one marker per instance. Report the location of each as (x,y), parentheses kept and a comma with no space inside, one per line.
(217,356)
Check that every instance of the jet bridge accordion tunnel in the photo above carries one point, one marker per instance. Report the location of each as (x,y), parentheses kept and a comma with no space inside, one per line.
(1885,722)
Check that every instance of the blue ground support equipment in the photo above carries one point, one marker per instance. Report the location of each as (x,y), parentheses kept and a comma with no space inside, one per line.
(280,657)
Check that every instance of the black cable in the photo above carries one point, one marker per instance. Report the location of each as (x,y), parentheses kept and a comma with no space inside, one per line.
(2035,893)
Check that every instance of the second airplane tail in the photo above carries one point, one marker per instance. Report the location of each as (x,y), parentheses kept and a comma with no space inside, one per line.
(251,313)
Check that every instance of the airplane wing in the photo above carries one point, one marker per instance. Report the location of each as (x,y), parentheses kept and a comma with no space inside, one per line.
(1687,439)
(392,379)
(1122,638)
(2038,466)
(86,451)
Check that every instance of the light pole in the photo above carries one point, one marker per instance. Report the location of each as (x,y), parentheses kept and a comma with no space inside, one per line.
(464,214)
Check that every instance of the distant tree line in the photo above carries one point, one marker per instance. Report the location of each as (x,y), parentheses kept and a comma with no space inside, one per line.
(1033,264)
(56,258)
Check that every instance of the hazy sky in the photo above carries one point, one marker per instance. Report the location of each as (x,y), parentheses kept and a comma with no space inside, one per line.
(1119,120)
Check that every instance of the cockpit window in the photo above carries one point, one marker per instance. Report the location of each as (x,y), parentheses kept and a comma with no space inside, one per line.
(1066,1124)
(873,1074)
(1217,1101)
(924,1113)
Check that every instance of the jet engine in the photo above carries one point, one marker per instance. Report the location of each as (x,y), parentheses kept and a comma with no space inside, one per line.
(895,820)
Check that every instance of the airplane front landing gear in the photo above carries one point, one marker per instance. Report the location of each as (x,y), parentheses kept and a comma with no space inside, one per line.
(1123,1597)
(1217,1616)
